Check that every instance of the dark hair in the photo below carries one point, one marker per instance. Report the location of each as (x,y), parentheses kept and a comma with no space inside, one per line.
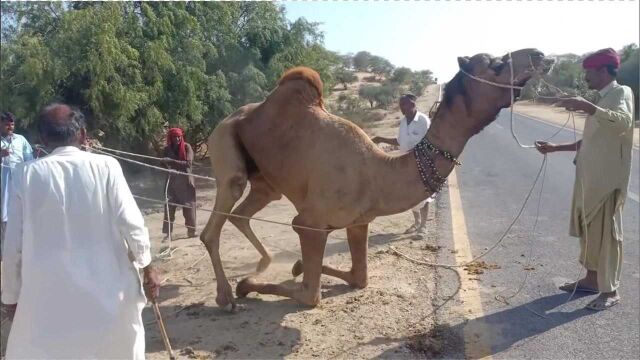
(7,116)
(408,96)
(612,70)
(60,127)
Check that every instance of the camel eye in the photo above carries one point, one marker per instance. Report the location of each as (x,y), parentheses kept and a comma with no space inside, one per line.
(499,67)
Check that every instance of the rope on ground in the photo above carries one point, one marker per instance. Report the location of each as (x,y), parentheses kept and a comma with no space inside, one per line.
(505,299)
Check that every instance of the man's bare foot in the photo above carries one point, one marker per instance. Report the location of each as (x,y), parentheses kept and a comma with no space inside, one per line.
(604,301)
(584,285)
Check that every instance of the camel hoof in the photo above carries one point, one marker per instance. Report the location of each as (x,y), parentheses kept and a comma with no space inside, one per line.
(244,287)
(263,264)
(296,270)
(359,284)
(225,297)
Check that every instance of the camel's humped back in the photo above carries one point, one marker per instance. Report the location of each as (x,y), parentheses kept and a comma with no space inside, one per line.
(313,90)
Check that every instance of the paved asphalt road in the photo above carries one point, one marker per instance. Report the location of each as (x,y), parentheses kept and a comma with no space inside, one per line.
(493,182)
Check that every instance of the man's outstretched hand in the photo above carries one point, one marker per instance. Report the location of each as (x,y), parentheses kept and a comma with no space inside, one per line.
(577,103)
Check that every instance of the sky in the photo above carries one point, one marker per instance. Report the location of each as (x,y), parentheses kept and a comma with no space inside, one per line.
(432,34)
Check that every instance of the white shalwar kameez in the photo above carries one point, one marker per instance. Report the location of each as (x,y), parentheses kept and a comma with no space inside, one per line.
(74,246)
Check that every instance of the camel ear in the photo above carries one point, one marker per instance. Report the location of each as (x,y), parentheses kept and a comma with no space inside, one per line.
(463,62)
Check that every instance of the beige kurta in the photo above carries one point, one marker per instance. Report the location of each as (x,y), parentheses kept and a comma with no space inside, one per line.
(603,167)
(603,162)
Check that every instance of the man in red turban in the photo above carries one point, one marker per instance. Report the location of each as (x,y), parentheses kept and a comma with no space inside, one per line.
(603,166)
(181,190)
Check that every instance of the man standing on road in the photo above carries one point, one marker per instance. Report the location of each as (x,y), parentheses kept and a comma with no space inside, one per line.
(74,246)
(603,166)
(413,127)
(15,149)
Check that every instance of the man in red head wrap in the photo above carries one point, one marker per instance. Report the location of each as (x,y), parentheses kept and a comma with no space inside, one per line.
(603,166)
(178,155)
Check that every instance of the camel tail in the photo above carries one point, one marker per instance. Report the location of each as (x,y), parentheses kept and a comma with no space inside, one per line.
(310,76)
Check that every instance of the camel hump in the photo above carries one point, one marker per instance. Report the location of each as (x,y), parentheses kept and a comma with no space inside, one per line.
(306,74)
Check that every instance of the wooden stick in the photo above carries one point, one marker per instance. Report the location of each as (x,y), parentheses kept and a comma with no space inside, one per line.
(163,331)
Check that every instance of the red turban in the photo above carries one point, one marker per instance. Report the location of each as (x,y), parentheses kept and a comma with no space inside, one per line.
(602,58)
(175,132)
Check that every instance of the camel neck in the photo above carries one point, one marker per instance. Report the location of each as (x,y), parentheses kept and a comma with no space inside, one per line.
(400,186)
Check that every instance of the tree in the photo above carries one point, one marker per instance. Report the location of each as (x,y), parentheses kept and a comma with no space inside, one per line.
(417,87)
(369,93)
(387,94)
(349,103)
(347,61)
(402,75)
(380,66)
(345,77)
(628,51)
(425,77)
(361,61)
(136,67)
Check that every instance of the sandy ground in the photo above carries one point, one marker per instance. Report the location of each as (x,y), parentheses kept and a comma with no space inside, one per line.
(559,116)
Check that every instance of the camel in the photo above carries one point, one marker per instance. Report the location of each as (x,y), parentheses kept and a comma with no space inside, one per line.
(334,175)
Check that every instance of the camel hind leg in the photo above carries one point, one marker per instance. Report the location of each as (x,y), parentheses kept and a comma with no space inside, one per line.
(312,245)
(260,195)
(358,243)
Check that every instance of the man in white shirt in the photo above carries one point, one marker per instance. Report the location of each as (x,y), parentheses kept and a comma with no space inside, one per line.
(413,127)
(73,250)
(14,149)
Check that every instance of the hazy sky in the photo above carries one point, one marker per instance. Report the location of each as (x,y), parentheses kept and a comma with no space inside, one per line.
(432,34)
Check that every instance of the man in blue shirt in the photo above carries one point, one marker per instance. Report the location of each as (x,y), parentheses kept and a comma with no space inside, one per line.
(14,150)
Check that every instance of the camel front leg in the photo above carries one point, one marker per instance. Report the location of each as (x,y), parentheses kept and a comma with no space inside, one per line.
(358,237)
(312,244)
(227,194)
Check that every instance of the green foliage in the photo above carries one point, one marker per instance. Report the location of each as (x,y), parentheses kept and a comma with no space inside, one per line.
(387,94)
(345,77)
(361,61)
(380,66)
(383,96)
(349,103)
(368,93)
(402,75)
(417,88)
(136,67)
(628,51)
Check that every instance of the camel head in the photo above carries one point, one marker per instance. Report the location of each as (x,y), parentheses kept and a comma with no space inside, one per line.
(484,83)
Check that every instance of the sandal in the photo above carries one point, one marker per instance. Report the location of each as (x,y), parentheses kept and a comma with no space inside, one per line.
(568,287)
(600,304)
